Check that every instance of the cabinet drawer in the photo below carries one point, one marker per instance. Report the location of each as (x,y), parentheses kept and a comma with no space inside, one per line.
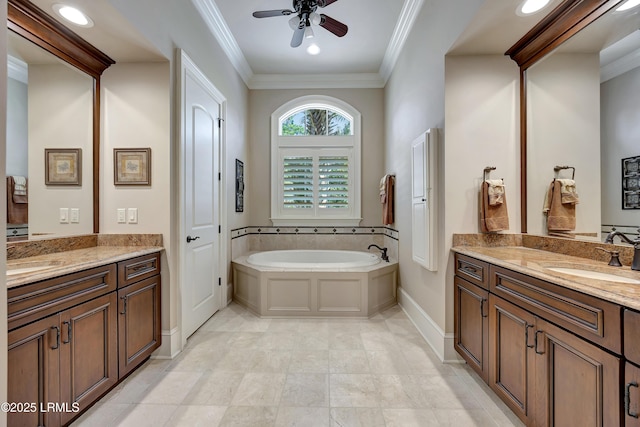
(37,300)
(631,329)
(473,270)
(136,269)
(589,317)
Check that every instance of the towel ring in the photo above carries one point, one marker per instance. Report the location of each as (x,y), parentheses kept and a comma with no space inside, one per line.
(557,169)
(488,170)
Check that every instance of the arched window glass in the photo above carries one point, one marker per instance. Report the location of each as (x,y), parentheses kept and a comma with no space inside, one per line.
(316,121)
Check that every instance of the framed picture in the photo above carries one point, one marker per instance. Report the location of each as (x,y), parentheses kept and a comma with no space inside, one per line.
(132,166)
(631,183)
(239,186)
(63,166)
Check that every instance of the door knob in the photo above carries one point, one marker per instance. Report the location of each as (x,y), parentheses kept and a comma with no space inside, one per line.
(191,239)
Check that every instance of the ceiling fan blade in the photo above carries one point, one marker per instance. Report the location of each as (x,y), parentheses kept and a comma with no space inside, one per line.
(330,24)
(325,3)
(298,34)
(270,13)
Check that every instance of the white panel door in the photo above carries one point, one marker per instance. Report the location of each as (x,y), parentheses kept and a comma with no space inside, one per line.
(201,154)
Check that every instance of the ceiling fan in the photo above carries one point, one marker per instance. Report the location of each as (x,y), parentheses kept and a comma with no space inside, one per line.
(305,11)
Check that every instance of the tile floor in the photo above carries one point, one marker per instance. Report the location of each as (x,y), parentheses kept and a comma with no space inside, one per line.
(240,370)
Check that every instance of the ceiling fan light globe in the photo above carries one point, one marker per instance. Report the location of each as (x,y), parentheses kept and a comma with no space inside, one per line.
(308,33)
(315,18)
(294,22)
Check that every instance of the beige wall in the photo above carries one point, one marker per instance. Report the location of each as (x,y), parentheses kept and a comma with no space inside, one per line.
(3,219)
(60,116)
(262,103)
(136,114)
(414,102)
(563,127)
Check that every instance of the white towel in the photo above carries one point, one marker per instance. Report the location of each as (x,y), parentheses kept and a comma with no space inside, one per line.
(495,191)
(383,190)
(20,186)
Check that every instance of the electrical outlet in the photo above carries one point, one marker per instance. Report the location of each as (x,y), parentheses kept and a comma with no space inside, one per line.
(64,215)
(133,215)
(74,215)
(122,216)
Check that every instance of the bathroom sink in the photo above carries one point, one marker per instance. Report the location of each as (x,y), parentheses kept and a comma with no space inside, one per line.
(589,274)
(29,267)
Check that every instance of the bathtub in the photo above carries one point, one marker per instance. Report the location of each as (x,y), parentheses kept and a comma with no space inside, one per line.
(314,283)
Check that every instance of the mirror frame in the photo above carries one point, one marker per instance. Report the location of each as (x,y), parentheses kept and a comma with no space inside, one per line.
(32,23)
(567,19)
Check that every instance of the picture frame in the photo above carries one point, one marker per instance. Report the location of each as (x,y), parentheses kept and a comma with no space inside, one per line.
(631,183)
(239,186)
(63,166)
(131,166)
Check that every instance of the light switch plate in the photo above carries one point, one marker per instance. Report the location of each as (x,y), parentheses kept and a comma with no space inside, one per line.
(74,215)
(133,215)
(122,216)
(64,215)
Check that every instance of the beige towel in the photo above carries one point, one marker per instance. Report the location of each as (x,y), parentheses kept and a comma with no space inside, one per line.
(492,218)
(383,189)
(560,216)
(496,191)
(19,192)
(568,191)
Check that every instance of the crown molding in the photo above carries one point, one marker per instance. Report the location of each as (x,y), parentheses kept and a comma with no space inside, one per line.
(408,16)
(17,69)
(316,81)
(219,28)
(620,66)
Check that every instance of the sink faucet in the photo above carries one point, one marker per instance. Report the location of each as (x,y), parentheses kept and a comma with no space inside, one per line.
(384,255)
(635,264)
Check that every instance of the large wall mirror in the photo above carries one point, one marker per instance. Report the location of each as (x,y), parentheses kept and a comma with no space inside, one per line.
(53,96)
(579,108)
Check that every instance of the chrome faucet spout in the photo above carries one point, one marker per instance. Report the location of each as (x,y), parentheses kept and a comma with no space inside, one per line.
(384,255)
(635,264)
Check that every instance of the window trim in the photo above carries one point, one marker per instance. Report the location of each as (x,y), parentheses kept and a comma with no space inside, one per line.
(282,145)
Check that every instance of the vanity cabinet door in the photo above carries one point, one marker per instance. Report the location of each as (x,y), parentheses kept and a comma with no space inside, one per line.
(471,325)
(33,372)
(511,353)
(631,395)
(578,384)
(139,323)
(88,352)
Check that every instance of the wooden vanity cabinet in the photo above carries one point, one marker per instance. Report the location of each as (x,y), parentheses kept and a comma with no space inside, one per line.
(72,338)
(631,327)
(547,357)
(472,325)
(139,326)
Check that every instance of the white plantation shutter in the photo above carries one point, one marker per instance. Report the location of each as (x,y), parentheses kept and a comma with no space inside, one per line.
(333,182)
(298,183)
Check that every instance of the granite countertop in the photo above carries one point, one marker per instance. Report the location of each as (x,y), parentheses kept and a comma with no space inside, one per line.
(536,263)
(67,262)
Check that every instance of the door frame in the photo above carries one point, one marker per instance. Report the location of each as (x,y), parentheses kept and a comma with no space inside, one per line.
(187,66)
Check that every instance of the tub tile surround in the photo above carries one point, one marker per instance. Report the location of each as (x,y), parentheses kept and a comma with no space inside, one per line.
(536,254)
(257,239)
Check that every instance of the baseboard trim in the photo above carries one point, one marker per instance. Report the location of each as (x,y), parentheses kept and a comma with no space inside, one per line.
(438,340)
(171,344)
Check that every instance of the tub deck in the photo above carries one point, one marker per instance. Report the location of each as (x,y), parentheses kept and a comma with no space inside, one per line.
(276,292)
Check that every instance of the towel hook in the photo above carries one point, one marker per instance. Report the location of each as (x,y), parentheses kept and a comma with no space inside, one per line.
(487,170)
(559,168)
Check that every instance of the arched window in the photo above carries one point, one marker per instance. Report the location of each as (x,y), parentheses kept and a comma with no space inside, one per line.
(315,163)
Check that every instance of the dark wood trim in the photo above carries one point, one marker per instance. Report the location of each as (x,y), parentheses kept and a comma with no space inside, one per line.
(32,23)
(566,20)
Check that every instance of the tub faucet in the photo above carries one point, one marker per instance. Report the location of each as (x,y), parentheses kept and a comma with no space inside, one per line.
(635,264)
(384,255)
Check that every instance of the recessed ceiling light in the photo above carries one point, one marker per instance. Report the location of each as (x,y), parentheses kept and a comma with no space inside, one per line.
(628,5)
(73,15)
(529,7)
(313,49)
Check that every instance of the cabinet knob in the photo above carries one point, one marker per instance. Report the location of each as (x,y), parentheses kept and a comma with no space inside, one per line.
(627,399)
